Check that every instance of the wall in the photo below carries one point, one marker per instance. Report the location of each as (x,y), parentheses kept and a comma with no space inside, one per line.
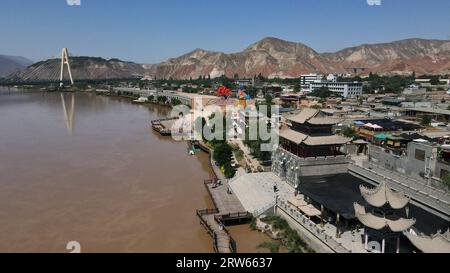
(378,156)
(408,164)
(291,167)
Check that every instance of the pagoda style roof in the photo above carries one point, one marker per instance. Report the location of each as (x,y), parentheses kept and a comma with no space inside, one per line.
(311,116)
(323,121)
(438,243)
(292,135)
(326,140)
(378,223)
(303,116)
(382,195)
(299,138)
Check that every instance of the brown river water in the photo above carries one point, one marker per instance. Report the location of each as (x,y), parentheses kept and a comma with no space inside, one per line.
(98,175)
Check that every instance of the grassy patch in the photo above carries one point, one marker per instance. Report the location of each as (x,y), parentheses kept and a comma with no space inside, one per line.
(273,247)
(289,237)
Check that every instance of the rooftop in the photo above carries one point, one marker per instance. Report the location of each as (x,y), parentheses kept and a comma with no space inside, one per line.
(303,116)
(382,195)
(299,138)
(313,117)
(430,110)
(376,222)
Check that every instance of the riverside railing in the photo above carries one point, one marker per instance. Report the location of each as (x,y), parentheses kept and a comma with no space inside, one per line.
(232,243)
(217,218)
(311,227)
(209,229)
(262,210)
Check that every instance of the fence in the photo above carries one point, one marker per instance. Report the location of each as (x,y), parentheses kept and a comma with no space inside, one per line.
(311,227)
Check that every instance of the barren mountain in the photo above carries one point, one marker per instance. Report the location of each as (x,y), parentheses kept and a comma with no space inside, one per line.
(83,68)
(270,57)
(419,55)
(11,64)
(277,58)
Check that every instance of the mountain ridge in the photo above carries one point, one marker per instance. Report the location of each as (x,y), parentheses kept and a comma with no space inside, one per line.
(273,57)
(10,64)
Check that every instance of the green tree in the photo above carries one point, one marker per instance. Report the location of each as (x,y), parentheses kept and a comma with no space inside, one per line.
(349,132)
(229,171)
(175,102)
(446,181)
(223,154)
(323,92)
(426,120)
(162,99)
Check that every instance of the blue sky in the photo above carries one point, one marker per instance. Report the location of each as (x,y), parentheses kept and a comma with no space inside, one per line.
(150,31)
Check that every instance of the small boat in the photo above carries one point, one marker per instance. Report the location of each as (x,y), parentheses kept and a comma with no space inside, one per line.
(141,100)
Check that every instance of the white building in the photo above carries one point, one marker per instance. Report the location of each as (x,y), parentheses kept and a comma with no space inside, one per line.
(306,80)
(343,89)
(332,78)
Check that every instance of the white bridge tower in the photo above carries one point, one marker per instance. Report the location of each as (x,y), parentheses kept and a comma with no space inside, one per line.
(65,61)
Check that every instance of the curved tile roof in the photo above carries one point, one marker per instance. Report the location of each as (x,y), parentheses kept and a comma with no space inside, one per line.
(379,223)
(298,138)
(382,195)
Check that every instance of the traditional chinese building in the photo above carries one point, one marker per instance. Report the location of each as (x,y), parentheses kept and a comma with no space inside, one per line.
(308,147)
(386,217)
(310,135)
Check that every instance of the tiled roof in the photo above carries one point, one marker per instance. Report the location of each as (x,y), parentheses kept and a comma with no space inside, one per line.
(303,116)
(299,138)
(382,195)
(326,140)
(379,223)
(324,121)
(292,135)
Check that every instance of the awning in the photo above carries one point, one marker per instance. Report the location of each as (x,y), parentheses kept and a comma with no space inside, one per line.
(359,123)
(307,209)
(310,211)
(381,136)
(373,126)
(297,202)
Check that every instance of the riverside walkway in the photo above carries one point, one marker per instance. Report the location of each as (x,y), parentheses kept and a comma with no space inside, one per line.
(227,209)
(163,126)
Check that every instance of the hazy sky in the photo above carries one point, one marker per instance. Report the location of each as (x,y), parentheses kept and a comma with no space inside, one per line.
(150,31)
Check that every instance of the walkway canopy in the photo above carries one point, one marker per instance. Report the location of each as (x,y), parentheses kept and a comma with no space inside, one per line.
(307,209)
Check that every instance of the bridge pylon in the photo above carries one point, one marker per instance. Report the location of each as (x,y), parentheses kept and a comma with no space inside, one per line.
(65,61)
